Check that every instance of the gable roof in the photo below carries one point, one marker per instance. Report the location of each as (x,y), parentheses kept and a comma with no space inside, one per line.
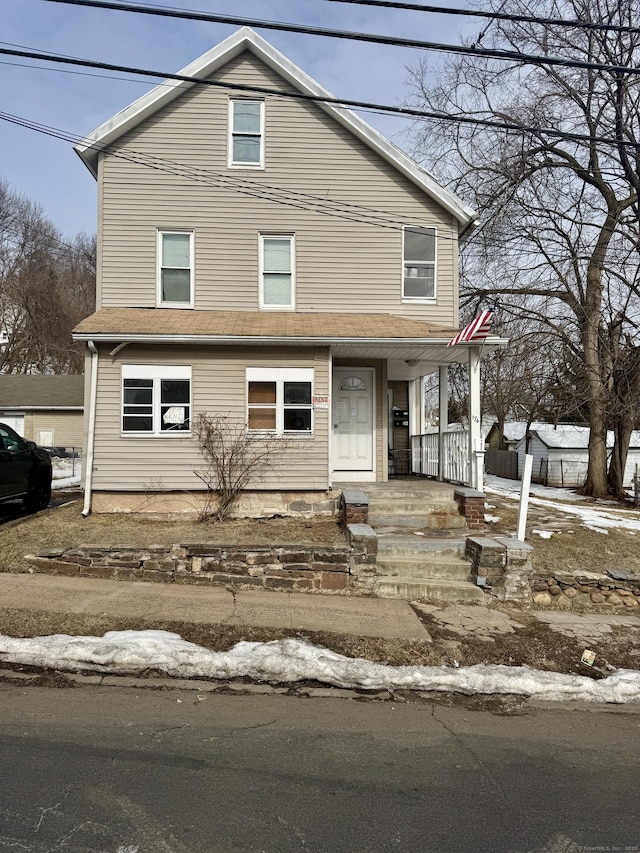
(572,437)
(36,391)
(247,39)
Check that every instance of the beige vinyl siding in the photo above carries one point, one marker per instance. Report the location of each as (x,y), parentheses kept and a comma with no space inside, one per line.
(344,262)
(149,463)
(67,427)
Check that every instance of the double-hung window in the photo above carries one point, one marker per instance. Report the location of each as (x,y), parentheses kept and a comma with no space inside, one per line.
(277,271)
(279,400)
(175,269)
(156,400)
(419,257)
(246,133)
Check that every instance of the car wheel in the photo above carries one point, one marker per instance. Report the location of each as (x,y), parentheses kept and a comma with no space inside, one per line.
(39,496)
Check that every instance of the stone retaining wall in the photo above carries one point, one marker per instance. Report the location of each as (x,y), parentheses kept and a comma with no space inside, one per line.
(583,590)
(294,568)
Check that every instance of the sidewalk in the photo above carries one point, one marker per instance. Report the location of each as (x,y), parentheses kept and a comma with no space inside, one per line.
(365,617)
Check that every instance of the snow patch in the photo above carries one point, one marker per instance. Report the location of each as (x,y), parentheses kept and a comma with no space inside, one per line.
(544,534)
(287,661)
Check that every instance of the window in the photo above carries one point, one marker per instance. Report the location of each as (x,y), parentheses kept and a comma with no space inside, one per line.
(277,263)
(279,399)
(156,400)
(175,269)
(419,253)
(246,133)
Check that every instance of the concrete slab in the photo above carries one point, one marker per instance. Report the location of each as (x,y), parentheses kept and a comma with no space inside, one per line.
(480,622)
(586,626)
(368,617)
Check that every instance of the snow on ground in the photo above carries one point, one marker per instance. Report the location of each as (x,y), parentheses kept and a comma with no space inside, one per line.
(599,515)
(288,661)
(544,534)
(66,473)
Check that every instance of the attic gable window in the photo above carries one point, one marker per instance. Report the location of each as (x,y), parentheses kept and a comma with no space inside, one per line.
(419,259)
(175,269)
(246,133)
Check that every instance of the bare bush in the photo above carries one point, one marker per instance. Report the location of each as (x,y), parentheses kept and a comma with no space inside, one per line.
(234,458)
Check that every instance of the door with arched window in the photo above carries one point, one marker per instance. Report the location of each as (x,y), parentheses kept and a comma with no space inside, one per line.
(353,398)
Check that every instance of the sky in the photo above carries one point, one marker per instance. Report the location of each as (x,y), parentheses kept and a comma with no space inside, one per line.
(47,170)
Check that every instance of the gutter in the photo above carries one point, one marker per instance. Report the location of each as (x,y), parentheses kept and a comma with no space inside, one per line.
(88,480)
(268,340)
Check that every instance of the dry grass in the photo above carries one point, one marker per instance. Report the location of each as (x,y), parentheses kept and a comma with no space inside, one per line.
(573,546)
(66,528)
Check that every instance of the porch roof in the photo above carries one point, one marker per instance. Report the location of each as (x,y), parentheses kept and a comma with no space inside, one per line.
(349,335)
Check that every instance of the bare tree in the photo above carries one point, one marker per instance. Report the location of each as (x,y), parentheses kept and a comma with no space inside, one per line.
(234,458)
(47,285)
(561,213)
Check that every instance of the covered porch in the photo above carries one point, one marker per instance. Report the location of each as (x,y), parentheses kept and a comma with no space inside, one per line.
(409,446)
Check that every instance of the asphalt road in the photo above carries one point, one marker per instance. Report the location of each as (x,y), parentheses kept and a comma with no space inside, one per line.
(107,770)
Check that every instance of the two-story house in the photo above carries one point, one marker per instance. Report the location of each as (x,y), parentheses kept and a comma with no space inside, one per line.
(264,254)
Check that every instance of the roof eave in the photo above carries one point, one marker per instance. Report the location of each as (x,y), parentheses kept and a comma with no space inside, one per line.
(269,340)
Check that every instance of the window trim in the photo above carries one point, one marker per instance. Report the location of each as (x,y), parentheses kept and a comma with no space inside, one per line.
(264,235)
(434,263)
(157,373)
(280,375)
(242,164)
(159,242)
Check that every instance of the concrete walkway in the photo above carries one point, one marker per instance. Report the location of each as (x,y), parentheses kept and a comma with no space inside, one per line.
(365,617)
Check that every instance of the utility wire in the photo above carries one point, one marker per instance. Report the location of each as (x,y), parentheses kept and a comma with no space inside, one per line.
(497,16)
(394,41)
(408,112)
(290,198)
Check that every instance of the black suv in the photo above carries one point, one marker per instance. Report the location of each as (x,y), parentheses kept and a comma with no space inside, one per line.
(25,471)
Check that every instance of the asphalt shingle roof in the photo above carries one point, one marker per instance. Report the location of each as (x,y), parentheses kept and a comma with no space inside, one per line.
(266,324)
(36,391)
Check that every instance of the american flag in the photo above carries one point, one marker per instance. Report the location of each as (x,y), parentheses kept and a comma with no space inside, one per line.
(477,330)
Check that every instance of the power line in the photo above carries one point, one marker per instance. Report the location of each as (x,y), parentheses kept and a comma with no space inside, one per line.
(408,112)
(496,16)
(394,41)
(303,201)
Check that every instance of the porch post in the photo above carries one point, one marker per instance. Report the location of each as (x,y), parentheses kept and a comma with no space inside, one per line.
(443,417)
(476,451)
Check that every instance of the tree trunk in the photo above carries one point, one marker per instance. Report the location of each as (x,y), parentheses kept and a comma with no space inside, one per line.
(622,438)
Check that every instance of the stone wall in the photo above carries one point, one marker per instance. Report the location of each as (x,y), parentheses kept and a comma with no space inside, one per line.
(584,590)
(501,564)
(290,568)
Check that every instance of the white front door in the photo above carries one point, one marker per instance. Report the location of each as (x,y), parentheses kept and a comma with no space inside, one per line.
(352,415)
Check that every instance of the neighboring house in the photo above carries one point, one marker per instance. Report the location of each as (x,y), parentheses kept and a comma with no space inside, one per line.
(511,434)
(45,409)
(269,258)
(561,456)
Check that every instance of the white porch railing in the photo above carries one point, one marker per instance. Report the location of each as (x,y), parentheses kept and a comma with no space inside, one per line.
(425,455)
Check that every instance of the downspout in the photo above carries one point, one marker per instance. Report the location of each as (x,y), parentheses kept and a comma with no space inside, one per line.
(91,429)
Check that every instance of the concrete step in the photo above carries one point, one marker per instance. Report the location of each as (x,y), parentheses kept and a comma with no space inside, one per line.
(395,545)
(411,506)
(427,493)
(425,521)
(408,588)
(425,567)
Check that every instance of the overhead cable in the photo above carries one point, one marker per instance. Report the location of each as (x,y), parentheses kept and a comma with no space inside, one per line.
(394,41)
(575,24)
(408,112)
